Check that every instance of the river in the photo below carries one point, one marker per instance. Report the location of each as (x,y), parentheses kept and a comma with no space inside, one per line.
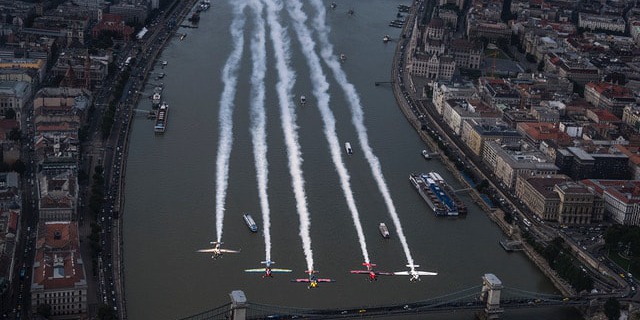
(170,208)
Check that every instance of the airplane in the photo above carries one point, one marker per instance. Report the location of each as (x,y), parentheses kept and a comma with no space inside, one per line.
(217,251)
(373,275)
(415,275)
(312,280)
(268,271)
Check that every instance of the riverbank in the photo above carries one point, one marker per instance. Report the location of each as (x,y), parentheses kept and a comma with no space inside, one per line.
(183,8)
(414,108)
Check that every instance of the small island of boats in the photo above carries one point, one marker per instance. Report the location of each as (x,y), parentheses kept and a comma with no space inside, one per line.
(440,197)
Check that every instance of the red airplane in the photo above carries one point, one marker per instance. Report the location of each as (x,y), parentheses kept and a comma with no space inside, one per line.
(373,275)
(312,280)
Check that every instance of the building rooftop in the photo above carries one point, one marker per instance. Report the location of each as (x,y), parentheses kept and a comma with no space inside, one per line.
(545,185)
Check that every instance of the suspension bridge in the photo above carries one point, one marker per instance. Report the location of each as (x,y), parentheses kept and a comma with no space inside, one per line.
(490,300)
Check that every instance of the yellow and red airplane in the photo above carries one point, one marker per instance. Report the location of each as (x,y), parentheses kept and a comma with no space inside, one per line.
(312,280)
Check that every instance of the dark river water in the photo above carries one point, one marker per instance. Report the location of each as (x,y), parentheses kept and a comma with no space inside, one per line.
(173,186)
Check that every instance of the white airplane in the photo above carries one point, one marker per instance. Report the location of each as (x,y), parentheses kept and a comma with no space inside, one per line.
(414,274)
(267,270)
(217,251)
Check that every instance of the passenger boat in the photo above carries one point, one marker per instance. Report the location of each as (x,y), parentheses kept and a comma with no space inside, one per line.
(384,231)
(250,223)
(347,148)
(155,99)
(205,5)
(161,119)
(437,194)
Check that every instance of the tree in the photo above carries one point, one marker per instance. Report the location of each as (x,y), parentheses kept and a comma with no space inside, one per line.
(106,312)
(19,167)
(15,134)
(10,114)
(506,15)
(612,309)
(44,310)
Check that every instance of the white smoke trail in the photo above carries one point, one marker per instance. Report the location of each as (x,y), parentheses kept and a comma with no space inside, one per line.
(353,99)
(258,119)
(225,141)
(321,86)
(287,78)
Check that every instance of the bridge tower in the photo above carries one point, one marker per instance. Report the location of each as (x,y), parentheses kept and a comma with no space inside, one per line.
(491,287)
(238,305)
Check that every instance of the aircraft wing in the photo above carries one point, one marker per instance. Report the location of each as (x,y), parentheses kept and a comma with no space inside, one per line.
(359,271)
(229,251)
(205,250)
(300,280)
(325,280)
(420,273)
(277,270)
(259,270)
(382,273)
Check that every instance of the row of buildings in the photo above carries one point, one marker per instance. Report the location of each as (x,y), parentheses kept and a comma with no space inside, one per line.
(524,141)
(41,43)
(563,135)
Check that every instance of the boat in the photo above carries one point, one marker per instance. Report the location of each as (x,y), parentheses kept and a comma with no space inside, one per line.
(343,57)
(437,194)
(156,97)
(161,74)
(182,36)
(403,8)
(351,12)
(347,147)
(161,119)
(386,38)
(195,17)
(384,231)
(250,223)
(205,5)
(426,154)
(333,5)
(303,99)
(164,63)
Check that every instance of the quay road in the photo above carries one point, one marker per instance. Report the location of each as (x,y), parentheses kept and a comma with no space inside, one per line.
(111,280)
(421,114)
